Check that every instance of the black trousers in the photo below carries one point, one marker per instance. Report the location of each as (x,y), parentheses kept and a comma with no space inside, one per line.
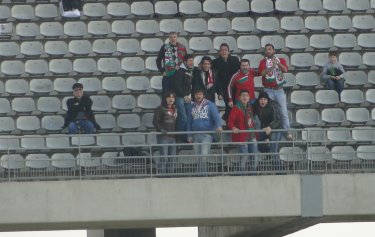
(69,5)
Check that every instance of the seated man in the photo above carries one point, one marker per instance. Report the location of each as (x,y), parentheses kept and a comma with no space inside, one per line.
(80,117)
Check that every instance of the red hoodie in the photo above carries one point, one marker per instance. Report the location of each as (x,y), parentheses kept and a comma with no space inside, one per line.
(241,81)
(243,119)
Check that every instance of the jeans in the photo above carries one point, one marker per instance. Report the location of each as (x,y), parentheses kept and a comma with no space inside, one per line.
(279,97)
(202,150)
(247,148)
(182,110)
(166,163)
(82,126)
(337,85)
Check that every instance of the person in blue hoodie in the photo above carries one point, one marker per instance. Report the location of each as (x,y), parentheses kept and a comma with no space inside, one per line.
(203,116)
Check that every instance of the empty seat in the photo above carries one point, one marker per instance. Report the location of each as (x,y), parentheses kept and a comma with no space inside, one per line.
(345,40)
(357,115)
(229,40)
(321,41)
(109,65)
(302,60)
(37,161)
(16,86)
(238,6)
(307,79)
(118,9)
(104,46)
(60,66)
(75,28)
(166,8)
(147,27)
(46,11)
(105,121)
(128,121)
(316,23)
(63,85)
(86,160)
(36,67)
(243,24)
(53,122)
(28,123)
(276,40)
(4,12)
(352,96)
(142,8)
(63,102)
(267,24)
(292,23)
(128,46)
(200,44)
(292,154)
(343,153)
(133,139)
(366,40)
(12,161)
(371,77)
(114,84)
(63,160)
(338,135)
(108,140)
(147,119)
(214,6)
(370,97)
(123,27)
(188,7)
(150,64)
(83,140)
(307,117)
(297,42)
(326,97)
(358,5)
(195,25)
(57,141)
(333,115)
(23,12)
(320,59)
(123,102)
(304,98)
(12,67)
(23,105)
(100,103)
(318,153)
(148,101)
(80,47)
(91,84)
(340,23)
(254,59)
(9,142)
(261,6)
(248,42)
(49,104)
(364,22)
(9,49)
(286,6)
(310,5)
(4,106)
(366,152)
(137,83)
(94,9)
(350,59)
(369,59)
(334,5)
(151,45)
(6,124)
(99,28)
(170,25)
(218,25)
(56,48)
(32,142)
(84,65)
(355,78)
(363,134)
(132,64)
(51,29)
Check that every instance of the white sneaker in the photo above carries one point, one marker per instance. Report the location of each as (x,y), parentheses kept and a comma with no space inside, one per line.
(68,14)
(76,12)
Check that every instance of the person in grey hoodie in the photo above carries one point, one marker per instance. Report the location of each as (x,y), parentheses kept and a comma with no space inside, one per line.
(333,73)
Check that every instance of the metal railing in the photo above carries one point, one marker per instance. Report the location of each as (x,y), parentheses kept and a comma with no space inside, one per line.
(85,157)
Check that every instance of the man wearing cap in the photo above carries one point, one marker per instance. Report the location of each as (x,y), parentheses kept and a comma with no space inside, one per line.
(80,117)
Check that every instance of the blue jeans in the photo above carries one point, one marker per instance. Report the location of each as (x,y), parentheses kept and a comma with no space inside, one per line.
(166,163)
(279,97)
(182,110)
(82,126)
(248,148)
(202,150)
(337,85)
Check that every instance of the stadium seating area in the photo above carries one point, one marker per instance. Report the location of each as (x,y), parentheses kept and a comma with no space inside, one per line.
(111,50)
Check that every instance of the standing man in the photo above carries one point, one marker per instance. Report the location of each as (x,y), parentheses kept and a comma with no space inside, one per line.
(272,68)
(242,80)
(170,57)
(206,79)
(203,116)
(226,66)
(80,117)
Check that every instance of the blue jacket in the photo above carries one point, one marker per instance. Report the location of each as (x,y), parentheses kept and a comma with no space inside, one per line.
(203,117)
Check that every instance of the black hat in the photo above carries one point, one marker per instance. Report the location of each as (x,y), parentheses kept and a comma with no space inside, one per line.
(77,85)
(263,95)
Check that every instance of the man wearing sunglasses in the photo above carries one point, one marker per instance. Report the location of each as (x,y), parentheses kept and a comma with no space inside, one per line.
(80,117)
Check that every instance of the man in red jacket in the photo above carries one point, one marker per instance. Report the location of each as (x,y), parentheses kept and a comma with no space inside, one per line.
(241,119)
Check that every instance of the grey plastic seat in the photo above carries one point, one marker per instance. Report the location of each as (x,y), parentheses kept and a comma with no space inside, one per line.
(369,59)
(366,152)
(316,135)
(343,153)
(219,25)
(147,120)
(333,115)
(10,142)
(370,97)
(133,64)
(63,85)
(147,27)
(334,5)
(358,5)
(302,97)
(118,9)
(9,49)
(51,29)
(41,85)
(32,142)
(148,101)
(63,102)
(86,160)
(254,59)
(170,25)
(195,25)
(137,83)
(307,117)
(91,84)
(292,23)
(37,161)
(104,46)
(57,141)
(327,97)
(340,23)
(108,140)
(63,160)
(150,64)
(7,29)
(128,46)
(7,124)
(152,45)
(12,67)
(105,121)
(267,24)
(99,28)
(261,6)
(56,48)
(372,3)
(321,41)
(94,9)
(277,41)
(238,6)
(302,60)
(75,28)
(133,139)
(109,159)
(114,84)
(32,48)
(142,8)
(200,44)
(248,42)
(46,11)
(109,65)
(23,105)
(243,24)
(27,30)
(292,154)
(23,12)
(4,12)
(128,121)
(60,66)
(307,79)
(229,40)
(363,134)
(36,67)
(16,86)
(352,96)
(53,122)
(358,115)
(4,106)
(123,27)
(350,59)
(316,23)
(286,6)
(100,103)
(339,135)
(371,77)
(123,102)
(49,104)
(84,65)
(214,7)
(190,7)
(156,82)
(366,40)
(28,123)
(320,59)
(355,78)
(166,8)
(12,161)
(290,80)
(310,5)
(80,47)
(346,41)
(364,22)
(297,42)
(318,154)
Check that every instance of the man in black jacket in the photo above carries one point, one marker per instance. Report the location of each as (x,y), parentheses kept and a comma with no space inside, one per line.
(80,117)
(226,66)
